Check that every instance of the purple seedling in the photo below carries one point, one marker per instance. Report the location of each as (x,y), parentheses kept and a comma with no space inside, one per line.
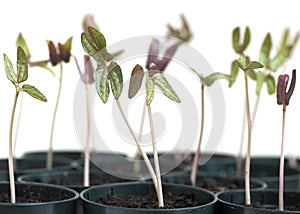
(283,98)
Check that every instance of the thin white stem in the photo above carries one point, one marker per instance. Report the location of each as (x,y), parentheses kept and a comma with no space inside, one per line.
(255,108)
(10,153)
(142,152)
(240,154)
(247,166)
(50,150)
(281,166)
(18,126)
(141,129)
(156,162)
(86,174)
(193,175)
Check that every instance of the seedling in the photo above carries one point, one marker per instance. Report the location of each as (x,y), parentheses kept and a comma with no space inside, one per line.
(154,76)
(244,63)
(17,78)
(109,75)
(179,35)
(271,65)
(58,54)
(205,81)
(283,98)
(87,77)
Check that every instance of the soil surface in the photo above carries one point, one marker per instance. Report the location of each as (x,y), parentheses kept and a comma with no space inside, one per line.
(215,184)
(65,181)
(149,201)
(33,197)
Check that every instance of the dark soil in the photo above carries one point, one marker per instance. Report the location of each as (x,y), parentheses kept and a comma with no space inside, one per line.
(65,181)
(149,201)
(33,197)
(215,184)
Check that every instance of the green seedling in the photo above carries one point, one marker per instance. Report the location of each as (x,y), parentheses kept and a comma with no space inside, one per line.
(245,64)
(205,82)
(109,78)
(17,78)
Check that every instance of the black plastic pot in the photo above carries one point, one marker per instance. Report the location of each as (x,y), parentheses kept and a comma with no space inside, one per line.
(267,169)
(231,202)
(33,165)
(213,183)
(90,195)
(211,163)
(69,154)
(51,206)
(72,179)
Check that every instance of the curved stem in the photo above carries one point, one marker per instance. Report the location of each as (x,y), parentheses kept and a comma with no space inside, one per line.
(10,153)
(193,175)
(247,166)
(142,152)
(281,166)
(86,174)
(156,162)
(137,165)
(141,128)
(50,151)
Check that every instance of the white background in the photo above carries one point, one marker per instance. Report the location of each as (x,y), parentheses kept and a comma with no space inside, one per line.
(212,23)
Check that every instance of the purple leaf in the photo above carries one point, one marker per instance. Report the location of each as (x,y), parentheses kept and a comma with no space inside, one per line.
(169,53)
(153,53)
(283,96)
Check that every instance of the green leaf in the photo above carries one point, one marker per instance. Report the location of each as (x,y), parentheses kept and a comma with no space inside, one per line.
(243,62)
(97,37)
(295,40)
(265,50)
(89,46)
(68,44)
(150,89)
(102,85)
(260,78)
(46,67)
(210,79)
(9,70)
(22,65)
(136,80)
(271,85)
(34,92)
(278,59)
(236,39)
(251,73)
(247,37)
(22,42)
(116,79)
(284,39)
(165,87)
(254,65)
(233,73)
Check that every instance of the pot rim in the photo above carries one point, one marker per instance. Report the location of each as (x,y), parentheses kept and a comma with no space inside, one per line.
(211,203)
(73,198)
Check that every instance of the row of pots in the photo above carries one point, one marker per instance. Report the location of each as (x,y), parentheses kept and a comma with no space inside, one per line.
(228,202)
(212,201)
